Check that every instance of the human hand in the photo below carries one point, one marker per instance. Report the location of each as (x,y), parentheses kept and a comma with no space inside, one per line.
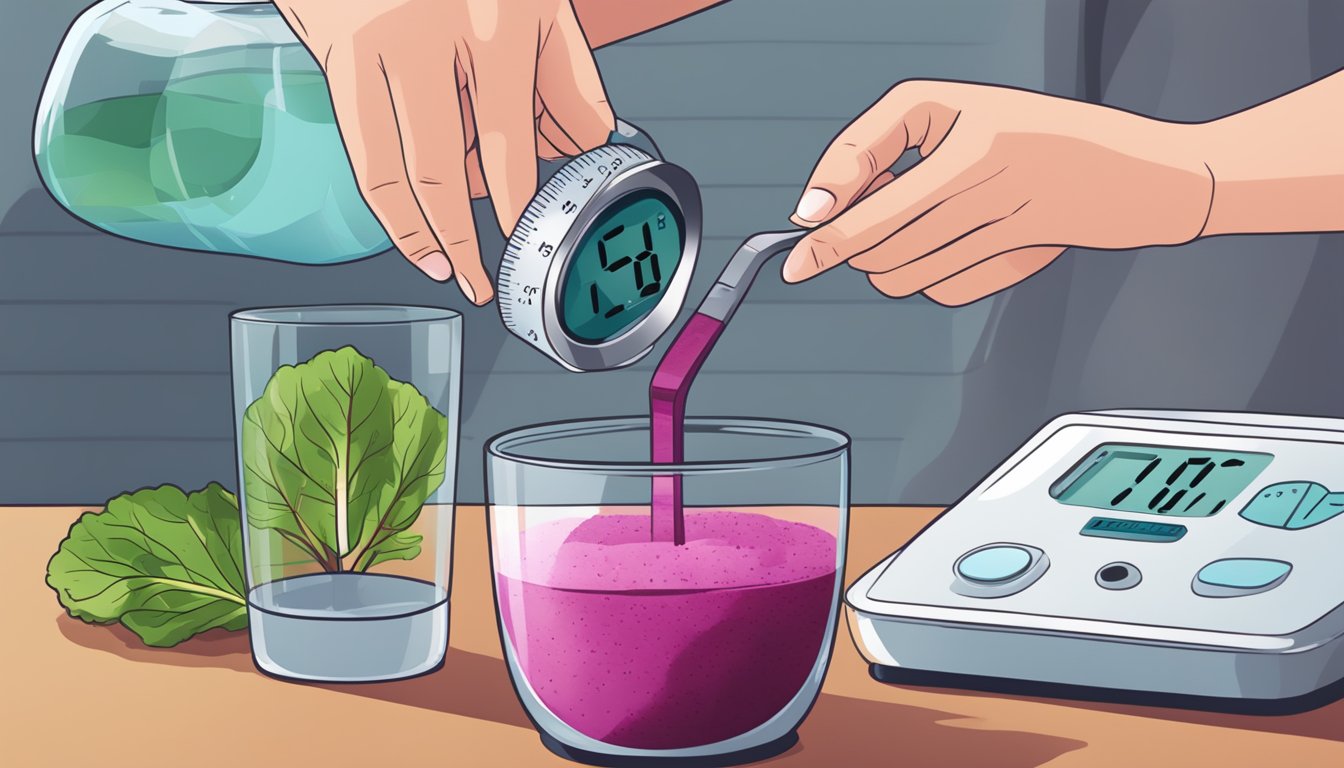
(441,100)
(1010,178)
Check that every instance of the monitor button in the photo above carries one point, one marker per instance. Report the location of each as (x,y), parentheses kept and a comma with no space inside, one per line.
(1276,505)
(1234,577)
(1118,576)
(1326,508)
(994,564)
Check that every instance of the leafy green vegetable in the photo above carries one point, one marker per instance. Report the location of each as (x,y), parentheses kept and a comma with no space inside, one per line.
(339,458)
(167,565)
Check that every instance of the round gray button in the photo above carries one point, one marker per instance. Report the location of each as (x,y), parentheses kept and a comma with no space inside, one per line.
(994,564)
(1118,576)
(1237,576)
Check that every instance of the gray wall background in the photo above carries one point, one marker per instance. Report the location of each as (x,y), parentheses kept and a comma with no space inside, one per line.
(114,356)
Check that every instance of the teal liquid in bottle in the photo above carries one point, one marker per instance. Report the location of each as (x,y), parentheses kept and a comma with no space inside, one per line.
(244,161)
(206,126)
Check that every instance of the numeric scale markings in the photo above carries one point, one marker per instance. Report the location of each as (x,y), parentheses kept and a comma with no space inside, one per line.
(533,270)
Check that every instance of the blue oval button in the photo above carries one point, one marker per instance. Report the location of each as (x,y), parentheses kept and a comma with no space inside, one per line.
(999,563)
(1243,573)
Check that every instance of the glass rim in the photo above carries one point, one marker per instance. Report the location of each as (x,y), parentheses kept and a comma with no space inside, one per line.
(500,445)
(349,315)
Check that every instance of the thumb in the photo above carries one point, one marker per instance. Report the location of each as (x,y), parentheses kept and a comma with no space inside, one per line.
(570,87)
(864,150)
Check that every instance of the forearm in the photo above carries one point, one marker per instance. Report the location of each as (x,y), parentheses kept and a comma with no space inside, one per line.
(607,21)
(1279,167)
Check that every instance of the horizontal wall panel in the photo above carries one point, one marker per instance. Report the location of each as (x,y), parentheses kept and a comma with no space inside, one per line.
(90,472)
(891,336)
(131,405)
(179,406)
(880,406)
(106,271)
(738,153)
(120,336)
(906,21)
(759,59)
(786,82)
(732,211)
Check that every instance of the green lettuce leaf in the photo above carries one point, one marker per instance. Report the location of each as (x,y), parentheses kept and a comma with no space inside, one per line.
(166,564)
(398,545)
(339,458)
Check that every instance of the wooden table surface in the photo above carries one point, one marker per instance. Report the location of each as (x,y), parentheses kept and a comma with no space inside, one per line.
(83,695)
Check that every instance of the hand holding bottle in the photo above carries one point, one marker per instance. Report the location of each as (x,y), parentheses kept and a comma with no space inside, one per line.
(442,100)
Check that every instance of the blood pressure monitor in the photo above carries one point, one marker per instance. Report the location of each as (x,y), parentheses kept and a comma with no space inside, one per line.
(601,260)
(1171,553)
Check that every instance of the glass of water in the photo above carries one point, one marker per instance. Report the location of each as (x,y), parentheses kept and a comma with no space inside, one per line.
(347,424)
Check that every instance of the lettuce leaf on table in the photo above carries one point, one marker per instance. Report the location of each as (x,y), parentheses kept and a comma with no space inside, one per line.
(339,458)
(164,563)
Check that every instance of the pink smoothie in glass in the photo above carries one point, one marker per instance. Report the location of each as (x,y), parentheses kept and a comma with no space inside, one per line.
(640,644)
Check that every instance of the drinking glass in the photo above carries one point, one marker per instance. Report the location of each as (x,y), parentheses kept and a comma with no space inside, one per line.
(623,646)
(347,424)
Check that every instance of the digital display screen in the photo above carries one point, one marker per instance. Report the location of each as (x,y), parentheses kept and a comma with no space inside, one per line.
(1180,482)
(622,266)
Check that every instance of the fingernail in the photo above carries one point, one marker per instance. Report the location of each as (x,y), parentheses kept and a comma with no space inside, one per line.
(793,269)
(483,300)
(467,290)
(815,204)
(436,265)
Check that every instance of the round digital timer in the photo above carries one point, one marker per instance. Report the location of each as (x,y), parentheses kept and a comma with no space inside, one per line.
(601,260)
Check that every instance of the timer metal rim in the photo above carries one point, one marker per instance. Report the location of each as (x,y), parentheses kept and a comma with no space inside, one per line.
(632,345)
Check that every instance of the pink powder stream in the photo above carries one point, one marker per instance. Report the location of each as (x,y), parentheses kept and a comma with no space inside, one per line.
(667,413)
(676,371)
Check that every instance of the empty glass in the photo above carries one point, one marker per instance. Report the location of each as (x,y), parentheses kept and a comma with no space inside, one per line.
(347,423)
(622,646)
